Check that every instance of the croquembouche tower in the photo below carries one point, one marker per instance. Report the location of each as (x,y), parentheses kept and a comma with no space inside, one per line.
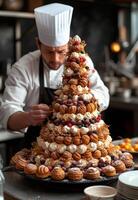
(75,143)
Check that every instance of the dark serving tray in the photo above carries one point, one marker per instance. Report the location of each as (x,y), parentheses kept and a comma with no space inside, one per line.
(69,185)
(66,185)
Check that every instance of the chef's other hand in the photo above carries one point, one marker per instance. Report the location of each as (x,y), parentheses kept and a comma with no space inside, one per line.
(38,114)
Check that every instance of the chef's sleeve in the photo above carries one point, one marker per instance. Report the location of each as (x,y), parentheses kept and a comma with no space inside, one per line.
(14,96)
(98,89)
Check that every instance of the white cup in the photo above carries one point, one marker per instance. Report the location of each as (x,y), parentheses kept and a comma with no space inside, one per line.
(100,192)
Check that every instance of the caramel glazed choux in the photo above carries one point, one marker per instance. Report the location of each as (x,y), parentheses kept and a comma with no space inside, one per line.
(75,143)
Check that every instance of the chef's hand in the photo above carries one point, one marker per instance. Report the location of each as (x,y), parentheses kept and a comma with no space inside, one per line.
(38,114)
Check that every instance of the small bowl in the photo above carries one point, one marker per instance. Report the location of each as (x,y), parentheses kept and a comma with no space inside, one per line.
(100,192)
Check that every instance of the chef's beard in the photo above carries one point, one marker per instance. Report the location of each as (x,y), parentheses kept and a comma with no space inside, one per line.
(53,65)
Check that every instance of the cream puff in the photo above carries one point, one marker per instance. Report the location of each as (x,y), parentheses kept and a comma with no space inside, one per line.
(104,152)
(92,173)
(119,166)
(85,139)
(66,156)
(109,171)
(96,154)
(87,155)
(82,163)
(67,140)
(58,174)
(93,163)
(76,156)
(104,161)
(59,139)
(20,162)
(74,174)
(76,140)
(126,155)
(30,168)
(128,163)
(42,171)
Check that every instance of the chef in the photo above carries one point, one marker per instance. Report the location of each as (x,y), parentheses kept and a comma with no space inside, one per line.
(32,80)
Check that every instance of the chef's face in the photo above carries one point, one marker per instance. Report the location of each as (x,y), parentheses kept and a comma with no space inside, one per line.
(54,57)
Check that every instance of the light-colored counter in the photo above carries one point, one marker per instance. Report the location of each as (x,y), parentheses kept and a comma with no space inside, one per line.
(6,135)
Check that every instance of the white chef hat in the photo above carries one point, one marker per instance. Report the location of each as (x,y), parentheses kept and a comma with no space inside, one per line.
(53,23)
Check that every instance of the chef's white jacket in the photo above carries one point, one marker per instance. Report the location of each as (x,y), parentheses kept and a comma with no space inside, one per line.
(22,85)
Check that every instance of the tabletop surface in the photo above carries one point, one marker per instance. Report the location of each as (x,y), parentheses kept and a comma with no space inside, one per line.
(18,187)
(122,103)
(6,135)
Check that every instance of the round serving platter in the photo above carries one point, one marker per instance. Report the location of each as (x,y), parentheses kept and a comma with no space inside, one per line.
(133,141)
(68,184)
(135,153)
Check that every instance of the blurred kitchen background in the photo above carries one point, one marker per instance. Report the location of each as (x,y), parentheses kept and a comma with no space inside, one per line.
(110,29)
